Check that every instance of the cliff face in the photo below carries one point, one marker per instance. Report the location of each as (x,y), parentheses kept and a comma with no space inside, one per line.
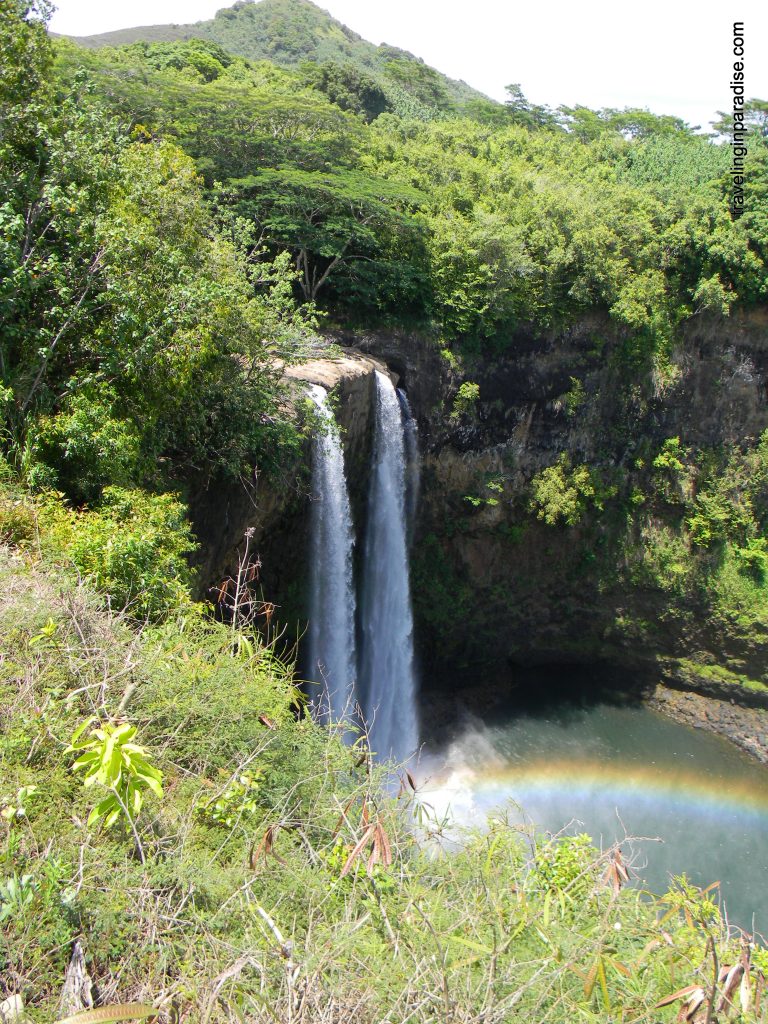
(497,588)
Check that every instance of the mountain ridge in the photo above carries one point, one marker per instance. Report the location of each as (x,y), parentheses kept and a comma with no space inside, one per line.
(289,32)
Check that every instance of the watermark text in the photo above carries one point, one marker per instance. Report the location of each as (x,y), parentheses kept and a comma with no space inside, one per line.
(740,127)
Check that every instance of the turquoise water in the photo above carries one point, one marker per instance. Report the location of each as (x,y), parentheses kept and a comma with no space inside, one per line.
(698,805)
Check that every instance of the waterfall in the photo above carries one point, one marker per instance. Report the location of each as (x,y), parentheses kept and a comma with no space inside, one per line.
(332,600)
(412,463)
(387,673)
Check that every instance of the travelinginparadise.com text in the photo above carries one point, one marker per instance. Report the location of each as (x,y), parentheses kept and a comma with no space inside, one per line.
(740,127)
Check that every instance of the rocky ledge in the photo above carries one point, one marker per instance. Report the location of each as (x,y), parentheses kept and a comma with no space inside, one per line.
(275,509)
(746,727)
(342,369)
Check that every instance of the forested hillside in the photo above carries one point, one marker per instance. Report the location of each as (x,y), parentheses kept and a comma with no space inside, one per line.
(181,218)
(294,32)
(472,223)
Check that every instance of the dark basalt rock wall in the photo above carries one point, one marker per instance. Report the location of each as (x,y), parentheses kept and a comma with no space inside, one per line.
(494,588)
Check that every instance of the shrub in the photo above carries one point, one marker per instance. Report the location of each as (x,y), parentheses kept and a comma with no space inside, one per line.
(111,758)
(17,517)
(561,494)
(132,547)
(84,448)
(754,558)
(670,458)
(670,467)
(712,520)
(465,399)
(210,694)
(566,866)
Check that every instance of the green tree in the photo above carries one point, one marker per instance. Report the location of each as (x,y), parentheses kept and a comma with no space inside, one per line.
(529,115)
(333,223)
(348,87)
(755,118)
(561,493)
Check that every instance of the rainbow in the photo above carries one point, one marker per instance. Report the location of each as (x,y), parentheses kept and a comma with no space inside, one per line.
(585,783)
(705,803)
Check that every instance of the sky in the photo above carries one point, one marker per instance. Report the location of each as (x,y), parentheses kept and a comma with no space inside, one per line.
(671,56)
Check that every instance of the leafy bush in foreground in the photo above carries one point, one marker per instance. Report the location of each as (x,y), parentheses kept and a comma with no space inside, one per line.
(132,548)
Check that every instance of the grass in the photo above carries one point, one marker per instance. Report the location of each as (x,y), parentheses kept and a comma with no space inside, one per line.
(278,878)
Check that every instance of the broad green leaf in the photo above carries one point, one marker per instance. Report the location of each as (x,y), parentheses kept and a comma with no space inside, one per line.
(124,732)
(112,817)
(80,730)
(88,758)
(133,749)
(135,800)
(152,783)
(114,767)
(101,808)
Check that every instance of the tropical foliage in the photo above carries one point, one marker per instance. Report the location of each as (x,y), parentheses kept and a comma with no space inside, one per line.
(177,217)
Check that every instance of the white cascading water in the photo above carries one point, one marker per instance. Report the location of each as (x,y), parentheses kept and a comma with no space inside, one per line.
(412,463)
(332,661)
(387,673)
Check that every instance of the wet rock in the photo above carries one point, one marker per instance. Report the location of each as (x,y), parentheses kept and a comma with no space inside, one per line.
(745,727)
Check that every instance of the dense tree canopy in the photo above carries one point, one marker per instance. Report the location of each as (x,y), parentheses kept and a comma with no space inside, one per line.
(164,199)
(505,214)
(136,342)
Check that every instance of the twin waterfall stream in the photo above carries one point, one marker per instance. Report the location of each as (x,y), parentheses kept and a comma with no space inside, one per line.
(361,653)
(332,595)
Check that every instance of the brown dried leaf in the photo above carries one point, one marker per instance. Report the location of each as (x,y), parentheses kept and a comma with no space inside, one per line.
(266,848)
(267,609)
(621,968)
(343,815)
(386,850)
(361,845)
(730,983)
(678,995)
(616,873)
(688,1010)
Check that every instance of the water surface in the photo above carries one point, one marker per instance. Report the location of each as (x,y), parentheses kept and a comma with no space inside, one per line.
(614,771)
